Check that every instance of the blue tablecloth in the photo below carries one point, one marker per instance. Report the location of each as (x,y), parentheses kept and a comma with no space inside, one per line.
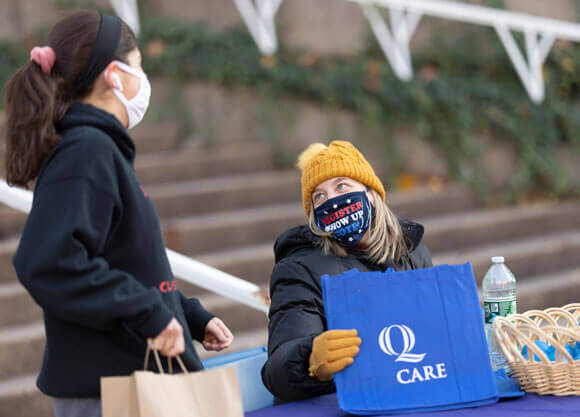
(528,406)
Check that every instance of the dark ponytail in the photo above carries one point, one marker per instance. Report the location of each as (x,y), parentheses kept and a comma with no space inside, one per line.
(36,101)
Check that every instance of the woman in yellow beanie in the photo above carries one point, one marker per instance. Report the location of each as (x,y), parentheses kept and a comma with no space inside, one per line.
(349,226)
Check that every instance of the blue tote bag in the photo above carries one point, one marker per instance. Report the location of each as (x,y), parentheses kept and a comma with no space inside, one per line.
(423,344)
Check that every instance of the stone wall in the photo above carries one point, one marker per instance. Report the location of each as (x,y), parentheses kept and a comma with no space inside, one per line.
(220,115)
(20,18)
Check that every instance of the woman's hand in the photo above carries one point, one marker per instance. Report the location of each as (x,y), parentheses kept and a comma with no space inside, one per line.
(332,351)
(170,341)
(217,335)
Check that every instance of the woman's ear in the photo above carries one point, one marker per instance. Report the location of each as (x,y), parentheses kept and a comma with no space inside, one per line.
(112,78)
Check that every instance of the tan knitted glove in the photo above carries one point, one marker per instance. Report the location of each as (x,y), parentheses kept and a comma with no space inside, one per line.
(333,351)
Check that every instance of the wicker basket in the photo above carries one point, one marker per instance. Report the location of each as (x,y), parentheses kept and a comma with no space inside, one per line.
(556,327)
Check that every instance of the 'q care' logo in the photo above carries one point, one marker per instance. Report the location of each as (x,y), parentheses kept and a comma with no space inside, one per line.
(408,344)
(404,376)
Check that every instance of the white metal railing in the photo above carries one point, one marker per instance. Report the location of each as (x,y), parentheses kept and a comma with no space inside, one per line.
(182,266)
(404,15)
(129,12)
(259,17)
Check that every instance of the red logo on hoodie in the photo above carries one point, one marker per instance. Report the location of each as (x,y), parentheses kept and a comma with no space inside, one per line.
(168,286)
(143,191)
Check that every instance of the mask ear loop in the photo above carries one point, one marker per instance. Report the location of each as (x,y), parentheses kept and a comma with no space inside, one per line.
(116,78)
(129,69)
(371,207)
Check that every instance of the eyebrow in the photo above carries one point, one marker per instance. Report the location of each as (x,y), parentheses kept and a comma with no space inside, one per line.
(337,179)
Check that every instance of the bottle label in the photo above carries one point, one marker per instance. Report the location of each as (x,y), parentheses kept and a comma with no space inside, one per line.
(499,308)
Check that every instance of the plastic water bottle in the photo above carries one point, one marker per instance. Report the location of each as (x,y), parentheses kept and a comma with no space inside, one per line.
(499,299)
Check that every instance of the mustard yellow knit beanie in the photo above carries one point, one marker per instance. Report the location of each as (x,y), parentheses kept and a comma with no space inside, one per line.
(319,163)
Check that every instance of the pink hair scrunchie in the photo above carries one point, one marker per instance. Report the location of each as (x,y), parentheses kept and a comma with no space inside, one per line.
(43,56)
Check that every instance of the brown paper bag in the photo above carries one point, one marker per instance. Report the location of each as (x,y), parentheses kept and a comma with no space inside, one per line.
(147,394)
(118,397)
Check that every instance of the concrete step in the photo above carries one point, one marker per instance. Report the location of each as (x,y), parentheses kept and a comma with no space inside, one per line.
(527,257)
(156,137)
(283,186)
(21,349)
(424,202)
(19,397)
(225,193)
(478,227)
(264,224)
(253,263)
(550,290)
(196,162)
(16,305)
(238,317)
(218,231)
(11,221)
(8,247)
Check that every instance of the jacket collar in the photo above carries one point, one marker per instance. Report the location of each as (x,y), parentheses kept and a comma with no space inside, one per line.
(412,231)
(301,237)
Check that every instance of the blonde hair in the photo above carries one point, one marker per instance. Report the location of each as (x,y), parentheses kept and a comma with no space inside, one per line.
(385,237)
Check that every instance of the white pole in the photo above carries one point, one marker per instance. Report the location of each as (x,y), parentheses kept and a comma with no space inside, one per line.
(517,59)
(216,281)
(128,11)
(14,197)
(259,19)
(394,43)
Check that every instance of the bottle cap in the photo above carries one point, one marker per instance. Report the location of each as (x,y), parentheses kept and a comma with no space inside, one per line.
(497,260)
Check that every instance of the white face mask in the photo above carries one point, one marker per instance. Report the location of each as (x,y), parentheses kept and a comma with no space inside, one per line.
(137,106)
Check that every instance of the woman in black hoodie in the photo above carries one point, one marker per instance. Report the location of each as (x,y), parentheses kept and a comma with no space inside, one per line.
(349,227)
(92,253)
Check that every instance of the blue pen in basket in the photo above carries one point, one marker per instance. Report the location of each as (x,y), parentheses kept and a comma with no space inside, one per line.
(423,347)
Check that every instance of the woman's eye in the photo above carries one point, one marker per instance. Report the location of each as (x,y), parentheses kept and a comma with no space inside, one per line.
(342,186)
(318,197)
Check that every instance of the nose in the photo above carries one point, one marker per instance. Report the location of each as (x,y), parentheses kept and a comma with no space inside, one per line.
(330,194)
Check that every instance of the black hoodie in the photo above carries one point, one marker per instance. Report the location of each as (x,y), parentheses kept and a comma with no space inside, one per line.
(297,310)
(93,257)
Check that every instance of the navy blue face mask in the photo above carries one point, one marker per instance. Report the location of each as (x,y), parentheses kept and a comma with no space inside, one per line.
(347,217)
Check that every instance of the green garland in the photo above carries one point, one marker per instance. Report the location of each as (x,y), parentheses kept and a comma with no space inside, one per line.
(461,89)
(11,58)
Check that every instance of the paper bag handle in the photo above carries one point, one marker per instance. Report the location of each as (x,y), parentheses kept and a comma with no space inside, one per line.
(158,361)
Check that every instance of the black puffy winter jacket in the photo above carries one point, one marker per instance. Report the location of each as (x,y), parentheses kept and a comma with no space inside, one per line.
(297,310)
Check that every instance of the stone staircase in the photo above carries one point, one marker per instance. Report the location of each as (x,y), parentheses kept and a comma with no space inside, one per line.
(225,206)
